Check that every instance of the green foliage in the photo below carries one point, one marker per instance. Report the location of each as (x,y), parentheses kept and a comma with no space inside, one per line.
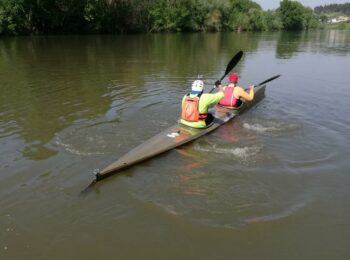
(245,15)
(170,15)
(213,20)
(257,20)
(295,16)
(199,15)
(13,18)
(273,21)
(323,18)
(310,20)
(339,26)
(123,16)
(292,16)
(334,8)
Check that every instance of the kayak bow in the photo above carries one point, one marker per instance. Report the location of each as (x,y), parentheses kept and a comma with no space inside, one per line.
(176,136)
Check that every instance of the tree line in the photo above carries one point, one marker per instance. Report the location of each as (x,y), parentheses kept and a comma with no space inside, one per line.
(31,17)
(333,8)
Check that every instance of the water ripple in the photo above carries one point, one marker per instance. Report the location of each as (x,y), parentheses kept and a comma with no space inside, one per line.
(9,128)
(70,148)
(314,161)
(219,200)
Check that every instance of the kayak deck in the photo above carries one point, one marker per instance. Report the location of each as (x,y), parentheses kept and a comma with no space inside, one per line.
(175,136)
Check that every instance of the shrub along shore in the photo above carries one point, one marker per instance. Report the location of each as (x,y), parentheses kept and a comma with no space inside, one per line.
(33,17)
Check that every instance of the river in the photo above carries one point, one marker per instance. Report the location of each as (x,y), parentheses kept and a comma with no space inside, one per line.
(271,184)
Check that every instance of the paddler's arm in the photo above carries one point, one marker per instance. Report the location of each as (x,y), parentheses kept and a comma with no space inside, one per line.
(239,92)
(218,95)
(212,99)
(219,86)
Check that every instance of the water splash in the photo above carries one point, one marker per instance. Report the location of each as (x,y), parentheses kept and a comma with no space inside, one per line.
(238,152)
(271,127)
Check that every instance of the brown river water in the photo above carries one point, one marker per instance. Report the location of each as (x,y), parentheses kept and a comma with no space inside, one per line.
(271,184)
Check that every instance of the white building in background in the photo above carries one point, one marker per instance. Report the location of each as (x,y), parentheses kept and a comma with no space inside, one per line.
(340,19)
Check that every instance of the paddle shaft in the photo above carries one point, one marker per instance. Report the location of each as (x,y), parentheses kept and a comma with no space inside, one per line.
(268,80)
(265,81)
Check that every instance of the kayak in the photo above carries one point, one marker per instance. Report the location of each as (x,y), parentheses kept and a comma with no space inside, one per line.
(176,136)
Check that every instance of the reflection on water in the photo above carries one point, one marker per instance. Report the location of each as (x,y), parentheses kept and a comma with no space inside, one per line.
(49,82)
(288,44)
(325,41)
(52,81)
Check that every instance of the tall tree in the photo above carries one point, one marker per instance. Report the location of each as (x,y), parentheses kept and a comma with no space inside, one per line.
(291,13)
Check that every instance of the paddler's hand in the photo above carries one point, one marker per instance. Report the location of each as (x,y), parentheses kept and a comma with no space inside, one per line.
(251,92)
(217,83)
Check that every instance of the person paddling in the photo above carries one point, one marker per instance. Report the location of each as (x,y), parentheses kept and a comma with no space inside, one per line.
(195,105)
(234,93)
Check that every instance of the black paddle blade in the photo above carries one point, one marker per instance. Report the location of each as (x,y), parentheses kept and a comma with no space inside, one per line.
(233,62)
(268,80)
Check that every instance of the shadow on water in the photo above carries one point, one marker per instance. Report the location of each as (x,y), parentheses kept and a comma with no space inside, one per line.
(91,187)
(96,183)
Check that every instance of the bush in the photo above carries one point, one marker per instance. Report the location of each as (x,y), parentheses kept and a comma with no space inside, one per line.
(273,21)
(13,18)
(291,13)
(122,16)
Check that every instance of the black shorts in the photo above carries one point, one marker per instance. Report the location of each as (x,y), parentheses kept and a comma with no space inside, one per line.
(209,119)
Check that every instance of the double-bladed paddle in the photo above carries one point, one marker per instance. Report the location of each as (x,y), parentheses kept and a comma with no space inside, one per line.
(233,62)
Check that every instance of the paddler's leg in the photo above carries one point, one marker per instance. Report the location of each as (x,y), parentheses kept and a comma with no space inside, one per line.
(238,103)
(209,119)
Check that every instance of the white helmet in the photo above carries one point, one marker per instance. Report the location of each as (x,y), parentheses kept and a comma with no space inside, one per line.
(197,85)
